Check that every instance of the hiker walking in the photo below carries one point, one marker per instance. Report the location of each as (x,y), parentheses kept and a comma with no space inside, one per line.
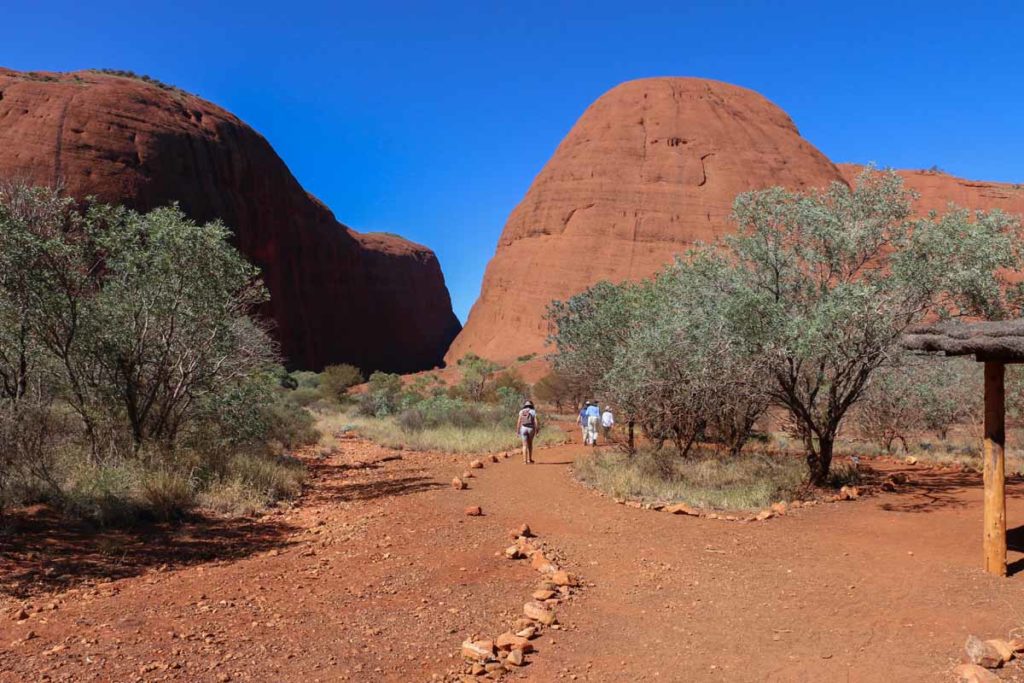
(527,427)
(593,414)
(607,422)
(581,420)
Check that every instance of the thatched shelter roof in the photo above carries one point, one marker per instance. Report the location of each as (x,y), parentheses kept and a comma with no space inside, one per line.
(992,341)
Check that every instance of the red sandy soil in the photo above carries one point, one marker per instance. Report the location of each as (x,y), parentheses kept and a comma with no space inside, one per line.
(378,575)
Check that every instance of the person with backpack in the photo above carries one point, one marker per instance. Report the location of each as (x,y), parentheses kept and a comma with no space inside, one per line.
(527,428)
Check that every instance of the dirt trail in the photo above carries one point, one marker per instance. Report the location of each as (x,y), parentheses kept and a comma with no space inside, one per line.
(378,575)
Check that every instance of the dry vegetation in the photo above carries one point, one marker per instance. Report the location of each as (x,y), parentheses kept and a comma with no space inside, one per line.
(705,479)
(135,381)
(748,482)
(446,438)
(476,415)
(960,449)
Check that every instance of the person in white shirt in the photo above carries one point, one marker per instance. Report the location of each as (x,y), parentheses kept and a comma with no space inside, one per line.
(607,422)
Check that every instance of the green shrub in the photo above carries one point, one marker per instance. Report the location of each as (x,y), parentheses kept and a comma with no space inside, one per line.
(303,396)
(307,379)
(383,395)
(336,380)
(104,493)
(232,498)
(509,402)
(512,381)
(273,477)
(476,372)
(438,411)
(427,385)
(286,380)
(290,426)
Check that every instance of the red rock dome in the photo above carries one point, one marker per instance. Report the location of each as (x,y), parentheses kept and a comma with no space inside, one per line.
(650,168)
(938,190)
(376,301)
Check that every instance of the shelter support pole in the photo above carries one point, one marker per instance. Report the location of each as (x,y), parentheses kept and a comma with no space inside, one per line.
(994,468)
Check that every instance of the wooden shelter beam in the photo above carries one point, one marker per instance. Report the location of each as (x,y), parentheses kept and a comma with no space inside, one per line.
(995,469)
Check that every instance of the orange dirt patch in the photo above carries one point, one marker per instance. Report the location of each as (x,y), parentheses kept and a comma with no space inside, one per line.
(378,575)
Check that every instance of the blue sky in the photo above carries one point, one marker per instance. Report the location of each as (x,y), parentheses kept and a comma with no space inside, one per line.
(431,119)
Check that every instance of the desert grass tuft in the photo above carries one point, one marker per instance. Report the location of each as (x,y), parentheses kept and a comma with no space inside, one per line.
(387,431)
(747,482)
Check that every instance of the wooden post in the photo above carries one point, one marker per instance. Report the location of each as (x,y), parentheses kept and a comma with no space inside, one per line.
(994,467)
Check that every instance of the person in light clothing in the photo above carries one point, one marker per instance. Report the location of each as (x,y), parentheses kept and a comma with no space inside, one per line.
(593,414)
(607,422)
(527,427)
(581,420)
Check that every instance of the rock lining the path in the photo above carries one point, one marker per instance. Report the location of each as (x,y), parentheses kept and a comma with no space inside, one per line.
(491,659)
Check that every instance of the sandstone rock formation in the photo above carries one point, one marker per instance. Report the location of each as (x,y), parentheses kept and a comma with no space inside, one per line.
(374,300)
(650,168)
(938,190)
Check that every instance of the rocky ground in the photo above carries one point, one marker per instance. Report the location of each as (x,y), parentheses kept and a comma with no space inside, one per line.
(379,574)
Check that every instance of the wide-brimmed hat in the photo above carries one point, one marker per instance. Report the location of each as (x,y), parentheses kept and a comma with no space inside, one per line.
(528,404)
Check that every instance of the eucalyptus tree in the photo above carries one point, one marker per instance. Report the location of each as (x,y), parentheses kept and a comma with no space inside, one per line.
(663,352)
(33,223)
(138,322)
(589,331)
(824,283)
(171,323)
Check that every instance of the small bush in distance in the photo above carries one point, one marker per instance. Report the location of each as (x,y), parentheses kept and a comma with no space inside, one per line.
(558,389)
(336,380)
(383,395)
(476,372)
(306,379)
(511,380)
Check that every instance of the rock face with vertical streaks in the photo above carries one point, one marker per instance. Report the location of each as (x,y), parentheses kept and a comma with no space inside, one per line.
(650,168)
(374,300)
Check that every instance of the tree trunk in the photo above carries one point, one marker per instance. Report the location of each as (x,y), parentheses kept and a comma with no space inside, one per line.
(631,442)
(685,450)
(677,441)
(820,462)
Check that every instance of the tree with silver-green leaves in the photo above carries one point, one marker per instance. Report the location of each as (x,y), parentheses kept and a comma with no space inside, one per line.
(662,353)
(589,331)
(140,323)
(824,283)
(798,309)
(682,373)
